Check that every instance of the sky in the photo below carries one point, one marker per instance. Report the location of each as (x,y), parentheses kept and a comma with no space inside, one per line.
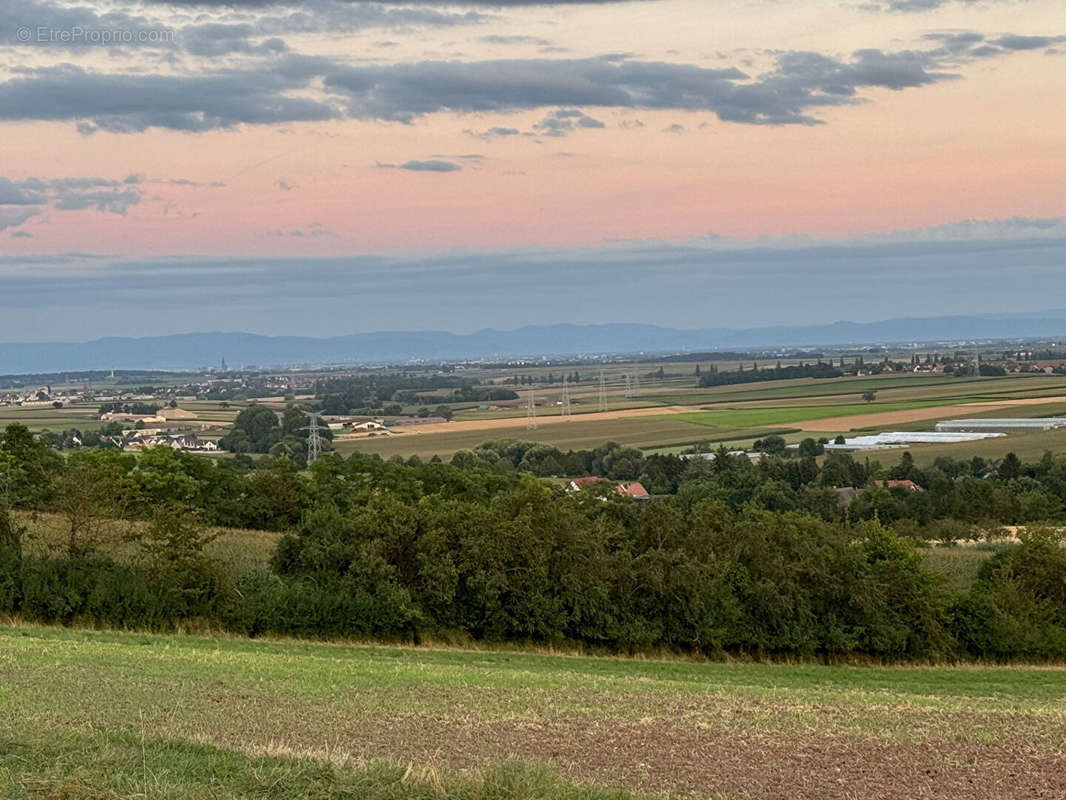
(335,166)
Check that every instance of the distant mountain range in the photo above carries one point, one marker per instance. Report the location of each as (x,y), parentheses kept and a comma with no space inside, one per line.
(195,350)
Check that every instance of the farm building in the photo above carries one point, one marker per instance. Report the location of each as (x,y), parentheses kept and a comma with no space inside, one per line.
(1019,425)
(633,489)
(363,427)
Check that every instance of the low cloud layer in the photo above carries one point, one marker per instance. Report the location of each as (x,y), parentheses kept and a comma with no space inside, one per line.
(711,282)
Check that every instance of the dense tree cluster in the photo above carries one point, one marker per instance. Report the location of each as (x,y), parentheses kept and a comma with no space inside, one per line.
(146,409)
(369,393)
(776,373)
(659,473)
(258,429)
(73,438)
(740,558)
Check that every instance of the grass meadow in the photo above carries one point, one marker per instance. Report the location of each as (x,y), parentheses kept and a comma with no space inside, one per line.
(132,715)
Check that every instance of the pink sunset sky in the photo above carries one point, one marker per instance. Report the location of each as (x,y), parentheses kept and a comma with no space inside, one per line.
(337,128)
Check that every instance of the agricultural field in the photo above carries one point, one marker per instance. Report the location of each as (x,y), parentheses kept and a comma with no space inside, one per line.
(643,432)
(754,416)
(38,418)
(86,416)
(133,715)
(738,415)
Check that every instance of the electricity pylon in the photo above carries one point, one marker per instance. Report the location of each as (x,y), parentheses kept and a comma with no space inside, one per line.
(531,412)
(566,399)
(603,391)
(314,437)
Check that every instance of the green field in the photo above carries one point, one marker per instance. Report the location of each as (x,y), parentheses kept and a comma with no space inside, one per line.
(772,415)
(130,715)
(52,418)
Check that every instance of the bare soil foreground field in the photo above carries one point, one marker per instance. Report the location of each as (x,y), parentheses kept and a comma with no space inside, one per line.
(113,715)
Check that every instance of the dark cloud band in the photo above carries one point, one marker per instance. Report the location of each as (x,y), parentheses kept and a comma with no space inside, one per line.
(517,287)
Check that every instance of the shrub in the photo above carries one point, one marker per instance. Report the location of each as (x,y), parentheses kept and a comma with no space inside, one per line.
(10,561)
(1017,608)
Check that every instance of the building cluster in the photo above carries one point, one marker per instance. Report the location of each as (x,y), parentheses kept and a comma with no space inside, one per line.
(133,441)
(632,489)
(374,425)
(36,397)
(754,456)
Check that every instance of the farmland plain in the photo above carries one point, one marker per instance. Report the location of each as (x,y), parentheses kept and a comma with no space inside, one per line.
(739,415)
(669,412)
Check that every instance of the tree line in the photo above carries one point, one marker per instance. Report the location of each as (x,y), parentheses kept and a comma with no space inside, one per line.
(776,373)
(739,558)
